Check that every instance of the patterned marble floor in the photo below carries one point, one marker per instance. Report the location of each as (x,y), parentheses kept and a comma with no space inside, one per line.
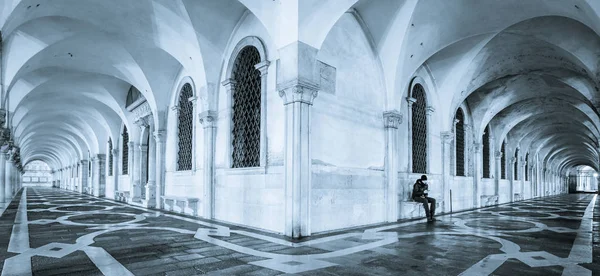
(54,232)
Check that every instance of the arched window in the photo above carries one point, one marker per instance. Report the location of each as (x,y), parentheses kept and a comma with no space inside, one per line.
(185,129)
(419,130)
(246,110)
(527,167)
(125,153)
(503,161)
(110,157)
(459,119)
(516,165)
(486,152)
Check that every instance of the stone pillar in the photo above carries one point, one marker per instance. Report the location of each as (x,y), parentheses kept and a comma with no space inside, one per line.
(143,156)
(150,197)
(498,167)
(134,150)
(2,180)
(263,69)
(8,177)
(391,121)
(98,177)
(115,167)
(83,176)
(410,101)
(297,98)
(477,173)
(447,140)
(159,137)
(522,174)
(511,177)
(208,120)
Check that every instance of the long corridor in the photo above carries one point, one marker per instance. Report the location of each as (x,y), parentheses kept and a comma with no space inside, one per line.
(54,232)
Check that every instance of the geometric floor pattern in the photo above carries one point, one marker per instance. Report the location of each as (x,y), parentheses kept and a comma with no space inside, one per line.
(54,232)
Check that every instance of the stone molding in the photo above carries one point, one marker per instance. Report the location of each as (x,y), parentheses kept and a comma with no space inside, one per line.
(208,118)
(298,91)
(263,67)
(498,154)
(141,110)
(477,147)
(410,101)
(392,119)
(447,137)
(159,136)
(429,110)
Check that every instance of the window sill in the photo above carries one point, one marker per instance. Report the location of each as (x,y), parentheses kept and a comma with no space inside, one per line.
(183,173)
(253,170)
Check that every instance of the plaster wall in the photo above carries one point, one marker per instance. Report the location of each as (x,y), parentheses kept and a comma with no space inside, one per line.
(504,190)
(123,183)
(462,193)
(348,141)
(110,187)
(487,186)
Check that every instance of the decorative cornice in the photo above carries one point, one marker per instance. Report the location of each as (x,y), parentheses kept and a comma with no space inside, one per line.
(298,91)
(142,110)
(392,119)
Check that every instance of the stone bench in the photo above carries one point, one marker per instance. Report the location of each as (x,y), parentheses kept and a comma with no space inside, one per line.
(489,200)
(122,196)
(412,209)
(182,203)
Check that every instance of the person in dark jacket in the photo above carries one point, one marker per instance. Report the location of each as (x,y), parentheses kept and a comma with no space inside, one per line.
(419,194)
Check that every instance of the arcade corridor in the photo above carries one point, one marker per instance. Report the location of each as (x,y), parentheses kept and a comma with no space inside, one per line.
(54,232)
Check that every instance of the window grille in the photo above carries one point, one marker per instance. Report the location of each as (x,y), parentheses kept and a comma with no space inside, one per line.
(516,165)
(125,153)
(460,143)
(246,110)
(486,152)
(503,161)
(419,130)
(527,167)
(110,157)
(185,129)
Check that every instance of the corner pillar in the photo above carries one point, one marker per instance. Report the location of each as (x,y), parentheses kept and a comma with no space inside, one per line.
(477,169)
(391,120)
(208,121)
(447,138)
(98,176)
(159,137)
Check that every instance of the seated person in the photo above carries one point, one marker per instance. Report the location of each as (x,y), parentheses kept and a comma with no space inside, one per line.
(419,194)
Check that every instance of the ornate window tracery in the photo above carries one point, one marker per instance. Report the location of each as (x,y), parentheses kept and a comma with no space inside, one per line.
(419,130)
(503,161)
(185,129)
(125,153)
(110,157)
(486,152)
(460,142)
(246,111)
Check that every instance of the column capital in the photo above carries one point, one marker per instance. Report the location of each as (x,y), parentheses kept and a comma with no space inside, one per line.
(263,67)
(142,122)
(467,127)
(208,118)
(447,137)
(410,101)
(115,151)
(477,147)
(430,109)
(159,136)
(498,154)
(144,148)
(229,85)
(392,119)
(298,91)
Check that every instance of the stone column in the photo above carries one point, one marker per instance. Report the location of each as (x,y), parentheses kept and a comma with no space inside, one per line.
(143,169)
(498,165)
(133,173)
(98,177)
(522,180)
(263,67)
(8,177)
(410,101)
(447,140)
(2,180)
(297,98)
(159,137)
(150,199)
(208,120)
(477,174)
(391,121)
(511,177)
(83,176)
(115,167)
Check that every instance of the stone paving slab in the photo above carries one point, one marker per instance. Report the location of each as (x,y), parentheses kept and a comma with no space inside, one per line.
(55,232)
